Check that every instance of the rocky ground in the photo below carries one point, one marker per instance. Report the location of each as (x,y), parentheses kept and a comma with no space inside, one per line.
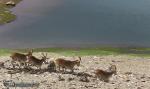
(132,73)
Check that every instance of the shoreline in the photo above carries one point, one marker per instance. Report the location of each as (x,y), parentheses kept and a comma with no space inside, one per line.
(93,51)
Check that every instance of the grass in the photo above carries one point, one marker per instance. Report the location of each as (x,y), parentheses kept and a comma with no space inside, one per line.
(143,52)
(6,15)
(98,51)
(4,52)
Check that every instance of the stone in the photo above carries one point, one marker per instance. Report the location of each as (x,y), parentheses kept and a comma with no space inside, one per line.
(10,3)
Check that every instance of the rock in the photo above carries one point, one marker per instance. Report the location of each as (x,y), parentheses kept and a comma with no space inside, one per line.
(112,83)
(1,64)
(73,84)
(60,78)
(70,79)
(128,73)
(127,80)
(143,81)
(44,81)
(142,77)
(51,67)
(84,79)
(14,71)
(139,88)
(72,88)
(86,86)
(10,3)
(83,74)
(53,82)
(113,61)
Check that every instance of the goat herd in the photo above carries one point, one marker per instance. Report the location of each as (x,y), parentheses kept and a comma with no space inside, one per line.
(27,60)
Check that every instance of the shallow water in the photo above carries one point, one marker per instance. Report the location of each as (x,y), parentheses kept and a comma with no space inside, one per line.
(50,23)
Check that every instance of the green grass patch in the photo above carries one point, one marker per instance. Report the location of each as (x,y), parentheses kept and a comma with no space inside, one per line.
(97,51)
(144,52)
(4,52)
(6,15)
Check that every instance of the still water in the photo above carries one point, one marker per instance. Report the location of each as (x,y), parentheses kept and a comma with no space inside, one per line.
(52,23)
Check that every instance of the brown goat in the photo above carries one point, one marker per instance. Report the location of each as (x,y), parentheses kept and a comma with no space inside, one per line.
(105,75)
(32,60)
(67,64)
(19,57)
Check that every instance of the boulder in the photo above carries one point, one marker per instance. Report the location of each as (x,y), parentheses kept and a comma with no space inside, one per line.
(10,3)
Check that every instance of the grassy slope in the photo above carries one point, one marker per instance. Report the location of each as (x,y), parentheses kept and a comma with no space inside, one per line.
(144,52)
(5,15)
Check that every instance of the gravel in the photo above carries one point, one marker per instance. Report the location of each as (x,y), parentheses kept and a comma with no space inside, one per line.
(132,73)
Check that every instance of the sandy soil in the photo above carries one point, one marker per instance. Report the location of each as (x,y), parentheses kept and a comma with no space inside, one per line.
(132,73)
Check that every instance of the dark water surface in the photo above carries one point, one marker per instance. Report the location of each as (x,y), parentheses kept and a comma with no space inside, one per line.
(50,23)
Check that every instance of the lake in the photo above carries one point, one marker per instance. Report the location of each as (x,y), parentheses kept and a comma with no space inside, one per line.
(78,23)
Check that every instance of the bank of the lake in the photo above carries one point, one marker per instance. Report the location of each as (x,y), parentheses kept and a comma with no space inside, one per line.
(99,51)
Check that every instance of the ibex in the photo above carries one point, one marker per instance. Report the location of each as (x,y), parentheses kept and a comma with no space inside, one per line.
(67,64)
(32,60)
(19,57)
(105,75)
